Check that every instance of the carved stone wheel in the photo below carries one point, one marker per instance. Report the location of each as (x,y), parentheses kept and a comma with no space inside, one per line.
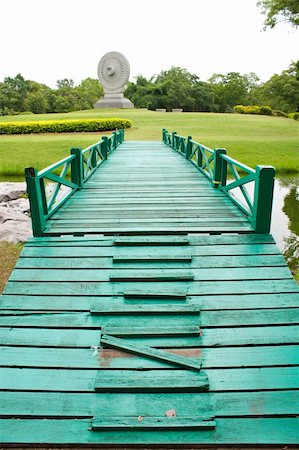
(113,72)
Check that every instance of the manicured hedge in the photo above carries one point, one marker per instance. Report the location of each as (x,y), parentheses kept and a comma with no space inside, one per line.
(253,109)
(294,115)
(64,126)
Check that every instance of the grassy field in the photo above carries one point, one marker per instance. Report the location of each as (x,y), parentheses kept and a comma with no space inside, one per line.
(250,139)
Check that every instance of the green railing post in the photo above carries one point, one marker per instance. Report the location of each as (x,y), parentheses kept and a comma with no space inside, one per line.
(199,158)
(114,140)
(35,201)
(44,197)
(122,135)
(218,167)
(164,131)
(77,167)
(263,197)
(173,140)
(104,147)
(189,147)
(94,158)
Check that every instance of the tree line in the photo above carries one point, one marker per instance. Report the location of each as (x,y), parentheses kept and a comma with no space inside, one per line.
(177,88)
(173,88)
(18,95)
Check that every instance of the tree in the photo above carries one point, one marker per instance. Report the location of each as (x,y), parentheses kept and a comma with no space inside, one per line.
(90,90)
(232,89)
(203,96)
(67,99)
(280,11)
(65,84)
(174,89)
(36,102)
(282,91)
(141,93)
(14,91)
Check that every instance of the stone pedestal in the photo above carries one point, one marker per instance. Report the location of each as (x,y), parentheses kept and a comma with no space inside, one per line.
(114,101)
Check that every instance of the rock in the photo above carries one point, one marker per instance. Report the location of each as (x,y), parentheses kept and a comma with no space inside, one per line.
(11,191)
(15,222)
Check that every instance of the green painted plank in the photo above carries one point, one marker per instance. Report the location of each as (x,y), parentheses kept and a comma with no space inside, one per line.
(222,337)
(149,258)
(181,324)
(181,320)
(150,381)
(229,357)
(91,222)
(154,294)
(211,357)
(152,262)
(211,302)
(279,431)
(84,338)
(274,378)
(159,215)
(151,240)
(227,404)
(148,423)
(164,209)
(175,213)
(43,337)
(99,251)
(251,317)
(171,330)
(193,240)
(118,288)
(144,309)
(149,352)
(130,228)
(150,275)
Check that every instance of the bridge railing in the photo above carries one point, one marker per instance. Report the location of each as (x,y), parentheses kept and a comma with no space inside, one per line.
(250,189)
(50,188)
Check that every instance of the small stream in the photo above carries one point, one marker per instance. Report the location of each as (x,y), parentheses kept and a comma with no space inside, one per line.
(285,218)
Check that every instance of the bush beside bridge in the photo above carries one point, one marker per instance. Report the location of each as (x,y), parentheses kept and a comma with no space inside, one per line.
(64,126)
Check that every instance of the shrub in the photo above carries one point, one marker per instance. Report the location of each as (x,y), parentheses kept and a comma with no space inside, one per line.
(64,126)
(26,113)
(8,112)
(294,115)
(265,110)
(278,113)
(253,109)
(247,109)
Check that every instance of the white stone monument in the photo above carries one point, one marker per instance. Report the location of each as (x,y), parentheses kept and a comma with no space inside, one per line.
(113,74)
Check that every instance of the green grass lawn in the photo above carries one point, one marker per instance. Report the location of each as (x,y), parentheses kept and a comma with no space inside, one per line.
(251,139)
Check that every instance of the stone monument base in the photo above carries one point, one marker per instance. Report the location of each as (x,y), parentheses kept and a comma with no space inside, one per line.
(114,101)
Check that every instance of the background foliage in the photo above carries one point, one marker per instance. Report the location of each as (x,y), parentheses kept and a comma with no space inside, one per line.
(280,11)
(173,88)
(177,88)
(20,95)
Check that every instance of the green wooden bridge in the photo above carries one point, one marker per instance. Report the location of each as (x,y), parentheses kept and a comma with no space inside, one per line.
(152,307)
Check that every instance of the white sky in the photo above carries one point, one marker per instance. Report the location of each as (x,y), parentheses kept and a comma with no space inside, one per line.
(46,40)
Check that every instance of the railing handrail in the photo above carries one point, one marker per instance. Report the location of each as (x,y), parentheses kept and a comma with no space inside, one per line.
(258,209)
(81,169)
(55,165)
(91,146)
(202,146)
(237,163)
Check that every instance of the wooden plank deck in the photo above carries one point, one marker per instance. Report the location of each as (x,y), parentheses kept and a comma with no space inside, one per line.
(146,187)
(104,336)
